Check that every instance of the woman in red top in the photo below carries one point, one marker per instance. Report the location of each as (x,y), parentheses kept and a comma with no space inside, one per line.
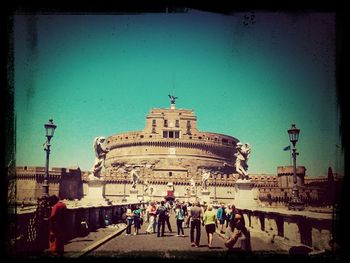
(57,225)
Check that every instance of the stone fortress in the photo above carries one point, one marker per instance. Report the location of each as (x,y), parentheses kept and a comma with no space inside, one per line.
(172,159)
(167,160)
(167,154)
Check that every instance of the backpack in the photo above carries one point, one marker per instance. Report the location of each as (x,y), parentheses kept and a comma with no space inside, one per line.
(180,214)
(137,213)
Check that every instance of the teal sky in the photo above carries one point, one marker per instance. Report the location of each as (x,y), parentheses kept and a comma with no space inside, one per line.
(248,75)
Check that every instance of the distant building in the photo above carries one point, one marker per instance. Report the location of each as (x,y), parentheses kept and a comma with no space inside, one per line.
(64,182)
(313,190)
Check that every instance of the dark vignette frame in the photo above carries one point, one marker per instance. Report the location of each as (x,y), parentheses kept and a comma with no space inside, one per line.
(120,7)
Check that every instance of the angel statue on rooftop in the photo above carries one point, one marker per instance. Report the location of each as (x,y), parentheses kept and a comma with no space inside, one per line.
(172,99)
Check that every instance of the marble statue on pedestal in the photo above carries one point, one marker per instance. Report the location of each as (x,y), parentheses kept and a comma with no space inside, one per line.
(242,155)
(192,186)
(205,177)
(100,155)
(145,186)
(134,178)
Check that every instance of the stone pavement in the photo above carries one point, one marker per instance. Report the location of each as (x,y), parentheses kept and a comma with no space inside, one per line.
(79,246)
(112,242)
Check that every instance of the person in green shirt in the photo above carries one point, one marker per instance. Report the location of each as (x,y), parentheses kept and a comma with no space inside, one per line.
(137,219)
(210,222)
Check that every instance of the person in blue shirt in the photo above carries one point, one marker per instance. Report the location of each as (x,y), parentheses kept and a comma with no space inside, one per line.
(221,215)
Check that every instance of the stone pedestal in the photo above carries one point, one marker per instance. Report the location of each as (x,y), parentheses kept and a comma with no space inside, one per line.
(193,197)
(146,198)
(245,194)
(205,197)
(95,195)
(133,196)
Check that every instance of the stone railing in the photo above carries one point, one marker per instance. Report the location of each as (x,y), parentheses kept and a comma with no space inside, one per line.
(284,228)
(25,232)
(291,228)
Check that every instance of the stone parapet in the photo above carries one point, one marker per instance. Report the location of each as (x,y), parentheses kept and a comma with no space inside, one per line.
(292,228)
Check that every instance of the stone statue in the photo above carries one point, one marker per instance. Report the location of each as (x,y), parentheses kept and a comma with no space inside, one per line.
(205,177)
(146,185)
(152,190)
(187,191)
(192,186)
(100,155)
(242,155)
(134,177)
(172,99)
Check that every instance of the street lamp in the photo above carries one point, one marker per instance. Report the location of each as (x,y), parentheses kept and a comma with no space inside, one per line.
(295,203)
(43,204)
(50,129)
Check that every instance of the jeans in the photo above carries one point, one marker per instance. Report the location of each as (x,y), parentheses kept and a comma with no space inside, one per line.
(161,223)
(179,226)
(128,228)
(168,223)
(195,224)
(152,224)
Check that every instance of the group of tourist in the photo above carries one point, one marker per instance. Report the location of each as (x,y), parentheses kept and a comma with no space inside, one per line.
(158,214)
(192,216)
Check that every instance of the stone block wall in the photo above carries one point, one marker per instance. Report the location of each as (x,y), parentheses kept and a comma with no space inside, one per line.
(312,230)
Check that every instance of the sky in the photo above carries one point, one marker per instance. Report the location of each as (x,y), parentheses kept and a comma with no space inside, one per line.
(249,75)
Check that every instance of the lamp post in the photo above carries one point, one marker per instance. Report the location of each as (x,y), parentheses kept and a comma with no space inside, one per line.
(43,205)
(295,203)
(50,129)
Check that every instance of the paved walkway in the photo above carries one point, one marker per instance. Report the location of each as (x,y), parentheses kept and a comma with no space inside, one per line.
(112,242)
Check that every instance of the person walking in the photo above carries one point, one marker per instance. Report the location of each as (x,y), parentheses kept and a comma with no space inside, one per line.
(180,217)
(184,208)
(221,215)
(129,219)
(194,217)
(167,216)
(188,209)
(57,225)
(161,212)
(137,213)
(210,222)
(152,211)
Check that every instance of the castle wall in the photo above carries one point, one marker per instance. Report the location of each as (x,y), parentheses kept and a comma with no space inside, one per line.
(30,181)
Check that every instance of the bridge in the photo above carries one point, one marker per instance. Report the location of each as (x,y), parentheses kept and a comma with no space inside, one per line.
(273,232)
(114,243)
